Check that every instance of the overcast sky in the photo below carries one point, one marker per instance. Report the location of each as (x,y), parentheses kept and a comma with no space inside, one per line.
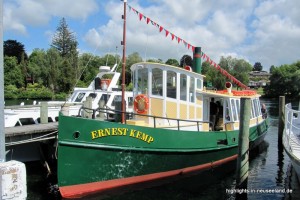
(257,31)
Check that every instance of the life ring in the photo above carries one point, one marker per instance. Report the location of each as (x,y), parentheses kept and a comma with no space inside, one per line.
(141,104)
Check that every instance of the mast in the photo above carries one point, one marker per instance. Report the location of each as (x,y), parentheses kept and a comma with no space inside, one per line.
(124,63)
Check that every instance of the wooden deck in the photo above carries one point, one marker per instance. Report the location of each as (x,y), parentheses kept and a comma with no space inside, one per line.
(30,133)
(30,129)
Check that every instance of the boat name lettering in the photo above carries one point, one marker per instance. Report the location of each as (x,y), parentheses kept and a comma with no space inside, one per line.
(122,132)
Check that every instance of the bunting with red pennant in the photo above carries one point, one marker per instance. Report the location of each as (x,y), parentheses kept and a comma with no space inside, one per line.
(188,45)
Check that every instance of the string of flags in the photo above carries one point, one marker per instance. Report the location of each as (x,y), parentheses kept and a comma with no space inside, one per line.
(167,33)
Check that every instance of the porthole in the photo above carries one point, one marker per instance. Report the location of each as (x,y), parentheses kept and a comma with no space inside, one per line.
(76,135)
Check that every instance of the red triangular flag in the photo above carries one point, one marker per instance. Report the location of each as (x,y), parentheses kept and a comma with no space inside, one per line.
(167,32)
(178,39)
(189,46)
(172,36)
(148,20)
(160,29)
(141,16)
(193,48)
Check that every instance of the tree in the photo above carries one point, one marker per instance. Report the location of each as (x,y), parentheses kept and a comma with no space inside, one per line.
(213,77)
(272,69)
(186,60)
(51,72)
(14,48)
(12,72)
(285,80)
(239,68)
(257,66)
(36,66)
(64,40)
(131,59)
(173,62)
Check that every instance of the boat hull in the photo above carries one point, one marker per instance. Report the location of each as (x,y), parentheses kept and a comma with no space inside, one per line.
(93,157)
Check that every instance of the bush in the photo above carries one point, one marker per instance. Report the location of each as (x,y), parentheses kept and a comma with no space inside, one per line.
(11,92)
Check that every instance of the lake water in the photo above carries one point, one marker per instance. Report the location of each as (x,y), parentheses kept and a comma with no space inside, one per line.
(271,176)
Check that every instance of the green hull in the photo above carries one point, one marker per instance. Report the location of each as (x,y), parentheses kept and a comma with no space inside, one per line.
(92,152)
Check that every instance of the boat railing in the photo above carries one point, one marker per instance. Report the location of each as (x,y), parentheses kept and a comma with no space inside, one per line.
(39,105)
(292,128)
(130,115)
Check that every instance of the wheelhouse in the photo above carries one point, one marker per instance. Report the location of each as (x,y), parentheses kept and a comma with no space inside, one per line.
(173,93)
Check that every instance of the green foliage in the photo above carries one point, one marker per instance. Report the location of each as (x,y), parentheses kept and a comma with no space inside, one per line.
(13,48)
(12,72)
(186,60)
(11,92)
(34,91)
(173,62)
(238,68)
(155,60)
(257,66)
(64,39)
(284,80)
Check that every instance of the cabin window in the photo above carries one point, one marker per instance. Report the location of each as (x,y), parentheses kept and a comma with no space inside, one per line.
(199,84)
(237,101)
(171,84)
(157,81)
(257,107)
(80,97)
(117,98)
(234,110)
(192,90)
(130,102)
(254,108)
(93,95)
(141,81)
(104,98)
(227,110)
(183,87)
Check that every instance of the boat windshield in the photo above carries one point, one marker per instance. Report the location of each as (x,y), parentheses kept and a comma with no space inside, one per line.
(80,96)
(141,81)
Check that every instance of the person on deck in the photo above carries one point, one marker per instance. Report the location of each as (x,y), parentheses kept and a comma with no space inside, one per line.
(213,113)
(264,111)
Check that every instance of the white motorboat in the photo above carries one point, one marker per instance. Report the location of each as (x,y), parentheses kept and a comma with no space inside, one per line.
(104,91)
(291,136)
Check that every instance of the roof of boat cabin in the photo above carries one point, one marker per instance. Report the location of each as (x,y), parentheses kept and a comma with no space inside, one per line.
(166,67)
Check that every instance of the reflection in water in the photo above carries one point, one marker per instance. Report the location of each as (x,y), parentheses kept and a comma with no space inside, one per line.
(280,163)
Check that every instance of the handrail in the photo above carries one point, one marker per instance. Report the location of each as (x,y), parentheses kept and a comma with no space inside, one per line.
(39,105)
(131,114)
(290,129)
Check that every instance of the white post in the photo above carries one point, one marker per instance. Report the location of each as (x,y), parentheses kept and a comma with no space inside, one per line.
(13,180)
(2,134)
(12,173)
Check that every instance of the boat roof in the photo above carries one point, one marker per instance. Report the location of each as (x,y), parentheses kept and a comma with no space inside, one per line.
(140,65)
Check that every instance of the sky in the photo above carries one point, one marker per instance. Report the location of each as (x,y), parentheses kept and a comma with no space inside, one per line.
(265,31)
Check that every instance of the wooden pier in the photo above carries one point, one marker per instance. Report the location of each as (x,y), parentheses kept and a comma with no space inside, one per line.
(33,132)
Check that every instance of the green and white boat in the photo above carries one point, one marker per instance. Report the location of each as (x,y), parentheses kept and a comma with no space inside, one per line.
(169,135)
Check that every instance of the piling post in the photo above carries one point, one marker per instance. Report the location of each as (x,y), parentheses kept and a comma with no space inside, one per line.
(44,112)
(281,119)
(65,109)
(101,105)
(243,148)
(87,104)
